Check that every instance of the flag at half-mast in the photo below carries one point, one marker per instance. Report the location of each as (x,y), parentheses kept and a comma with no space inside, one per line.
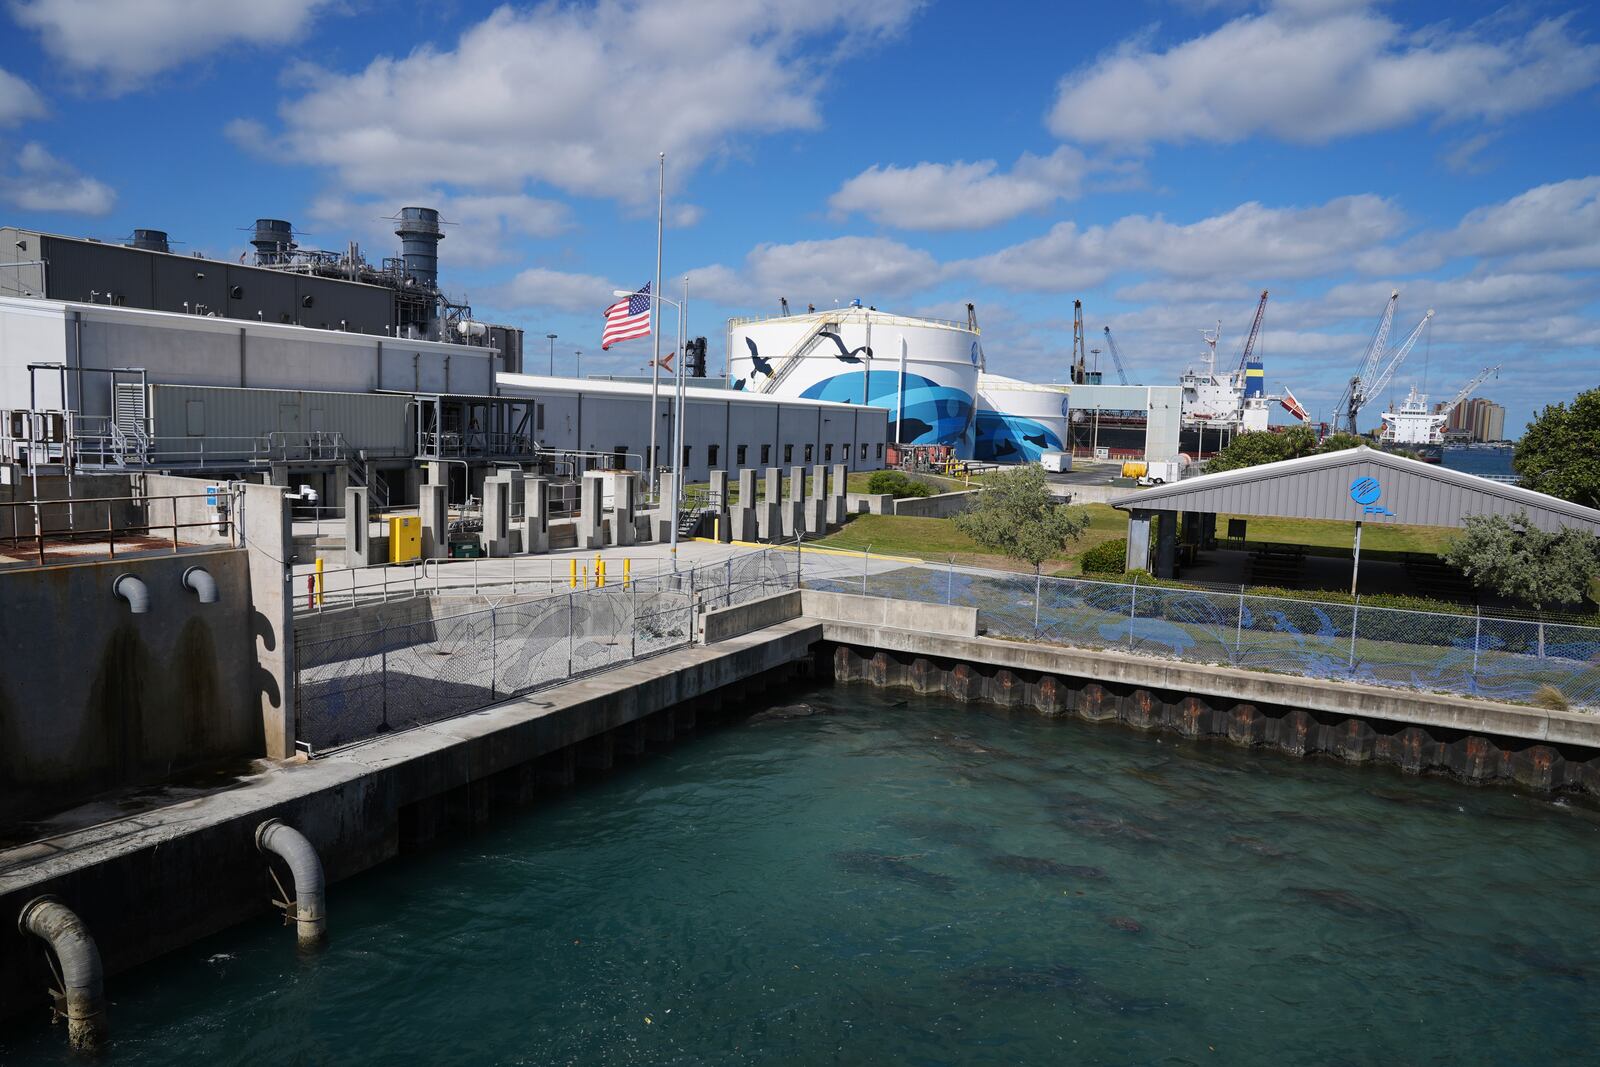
(1293,406)
(627,318)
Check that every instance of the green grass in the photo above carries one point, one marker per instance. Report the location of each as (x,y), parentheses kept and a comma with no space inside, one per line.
(1324,533)
(938,539)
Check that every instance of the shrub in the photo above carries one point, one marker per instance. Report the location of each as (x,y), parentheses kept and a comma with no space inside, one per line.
(1108,557)
(895,483)
(1550,698)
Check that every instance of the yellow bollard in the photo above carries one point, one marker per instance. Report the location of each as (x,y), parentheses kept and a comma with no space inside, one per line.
(319,581)
(597,571)
(627,572)
(586,576)
(600,572)
(574,579)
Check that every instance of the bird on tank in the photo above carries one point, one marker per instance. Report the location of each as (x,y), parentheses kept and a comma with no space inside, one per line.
(846,355)
(1037,439)
(762,366)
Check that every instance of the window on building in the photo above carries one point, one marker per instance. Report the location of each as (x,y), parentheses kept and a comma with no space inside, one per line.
(738,456)
(788,453)
(766,455)
(538,417)
(688,450)
(711,454)
(619,457)
(827,453)
(863,450)
(880,449)
(808,454)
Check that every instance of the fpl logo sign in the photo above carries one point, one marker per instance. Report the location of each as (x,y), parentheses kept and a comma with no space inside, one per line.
(1366,491)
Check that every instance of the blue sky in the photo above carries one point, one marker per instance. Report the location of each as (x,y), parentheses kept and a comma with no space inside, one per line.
(1163,162)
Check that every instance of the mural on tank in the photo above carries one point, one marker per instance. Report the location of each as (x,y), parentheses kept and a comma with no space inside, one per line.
(933,414)
(1005,438)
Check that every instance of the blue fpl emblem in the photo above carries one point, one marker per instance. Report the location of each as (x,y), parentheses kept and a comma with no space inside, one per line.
(1066,407)
(1366,491)
(974,353)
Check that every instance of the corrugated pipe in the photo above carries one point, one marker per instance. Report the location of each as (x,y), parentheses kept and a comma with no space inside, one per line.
(134,591)
(309,904)
(205,587)
(82,978)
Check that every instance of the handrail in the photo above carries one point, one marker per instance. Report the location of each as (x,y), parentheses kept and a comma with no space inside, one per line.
(39,536)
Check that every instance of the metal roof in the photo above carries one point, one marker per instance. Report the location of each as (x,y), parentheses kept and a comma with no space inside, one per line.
(1360,485)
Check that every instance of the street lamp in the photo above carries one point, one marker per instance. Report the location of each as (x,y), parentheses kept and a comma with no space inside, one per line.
(677,459)
(552,338)
(579,354)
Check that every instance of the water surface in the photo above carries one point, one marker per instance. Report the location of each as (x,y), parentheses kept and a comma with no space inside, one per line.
(866,877)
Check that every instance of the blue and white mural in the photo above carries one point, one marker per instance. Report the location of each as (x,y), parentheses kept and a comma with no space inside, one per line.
(1018,422)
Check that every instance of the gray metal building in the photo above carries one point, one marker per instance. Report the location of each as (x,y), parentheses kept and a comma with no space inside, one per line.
(1356,485)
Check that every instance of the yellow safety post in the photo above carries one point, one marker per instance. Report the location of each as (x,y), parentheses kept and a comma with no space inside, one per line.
(627,572)
(600,572)
(586,576)
(319,582)
(574,579)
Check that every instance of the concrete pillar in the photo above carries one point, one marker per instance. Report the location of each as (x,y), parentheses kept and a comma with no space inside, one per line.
(719,493)
(496,535)
(1138,558)
(438,473)
(338,481)
(412,485)
(661,517)
(794,523)
(815,511)
(355,528)
(624,530)
(280,475)
(769,510)
(518,490)
(536,521)
(837,508)
(591,518)
(435,521)
(1167,545)
(744,515)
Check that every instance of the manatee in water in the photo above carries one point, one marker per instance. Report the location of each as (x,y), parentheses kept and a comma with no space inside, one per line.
(1104,826)
(1041,866)
(785,713)
(1122,922)
(968,746)
(1344,902)
(868,861)
(959,833)
(1416,800)
(1257,847)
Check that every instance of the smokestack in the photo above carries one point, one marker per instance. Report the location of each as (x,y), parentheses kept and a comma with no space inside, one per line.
(419,244)
(150,240)
(274,240)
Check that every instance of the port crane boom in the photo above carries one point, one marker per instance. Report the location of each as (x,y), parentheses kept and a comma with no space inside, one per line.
(1466,390)
(1116,357)
(1255,331)
(1079,372)
(1362,387)
(1400,355)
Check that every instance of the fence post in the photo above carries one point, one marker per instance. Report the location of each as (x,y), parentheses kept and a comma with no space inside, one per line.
(1038,585)
(1238,627)
(383,675)
(728,563)
(494,651)
(864,570)
(1355,619)
(569,635)
(950,580)
(1477,633)
(633,623)
(1133,609)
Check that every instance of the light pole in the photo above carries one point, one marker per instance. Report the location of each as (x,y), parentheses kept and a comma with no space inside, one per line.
(579,354)
(552,338)
(679,373)
(650,463)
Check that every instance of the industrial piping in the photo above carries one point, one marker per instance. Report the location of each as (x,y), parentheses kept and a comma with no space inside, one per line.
(82,977)
(205,587)
(134,591)
(309,906)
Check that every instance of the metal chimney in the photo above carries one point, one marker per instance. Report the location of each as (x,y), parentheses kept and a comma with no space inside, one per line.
(150,240)
(419,244)
(274,240)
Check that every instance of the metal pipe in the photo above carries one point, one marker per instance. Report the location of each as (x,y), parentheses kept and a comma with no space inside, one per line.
(205,587)
(309,904)
(134,591)
(82,977)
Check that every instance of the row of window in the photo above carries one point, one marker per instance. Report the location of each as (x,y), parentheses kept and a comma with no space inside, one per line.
(741,454)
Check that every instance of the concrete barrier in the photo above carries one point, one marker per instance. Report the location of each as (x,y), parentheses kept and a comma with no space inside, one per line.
(869,504)
(719,624)
(940,506)
(899,614)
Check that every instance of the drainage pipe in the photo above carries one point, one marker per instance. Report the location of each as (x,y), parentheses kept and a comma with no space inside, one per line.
(134,591)
(82,978)
(309,905)
(205,587)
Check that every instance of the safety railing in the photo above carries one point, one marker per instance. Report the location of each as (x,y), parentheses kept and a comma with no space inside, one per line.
(76,528)
(1467,654)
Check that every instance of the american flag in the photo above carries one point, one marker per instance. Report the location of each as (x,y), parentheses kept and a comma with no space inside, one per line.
(627,318)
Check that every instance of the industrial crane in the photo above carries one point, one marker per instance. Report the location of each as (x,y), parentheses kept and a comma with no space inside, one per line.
(1466,390)
(1079,372)
(1363,387)
(1116,356)
(1255,331)
(1399,357)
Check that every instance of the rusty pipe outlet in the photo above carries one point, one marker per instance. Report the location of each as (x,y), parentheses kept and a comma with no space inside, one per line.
(309,906)
(82,978)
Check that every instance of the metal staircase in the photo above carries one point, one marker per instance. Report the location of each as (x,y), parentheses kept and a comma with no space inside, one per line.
(362,477)
(798,352)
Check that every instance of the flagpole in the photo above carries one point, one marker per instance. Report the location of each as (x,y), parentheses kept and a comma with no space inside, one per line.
(655,323)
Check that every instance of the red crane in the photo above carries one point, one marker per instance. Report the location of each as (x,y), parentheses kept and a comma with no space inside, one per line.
(1255,331)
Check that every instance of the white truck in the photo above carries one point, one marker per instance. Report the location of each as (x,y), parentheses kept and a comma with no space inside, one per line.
(1056,462)
(1160,472)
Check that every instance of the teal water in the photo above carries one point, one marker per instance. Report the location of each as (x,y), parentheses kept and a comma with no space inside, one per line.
(920,882)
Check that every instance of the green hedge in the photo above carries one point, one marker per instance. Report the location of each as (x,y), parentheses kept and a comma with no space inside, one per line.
(1108,557)
(896,484)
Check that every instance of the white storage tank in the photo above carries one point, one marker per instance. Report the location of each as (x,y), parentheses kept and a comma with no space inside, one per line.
(924,372)
(1019,422)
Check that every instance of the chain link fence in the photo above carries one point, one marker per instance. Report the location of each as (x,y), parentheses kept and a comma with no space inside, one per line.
(353,687)
(1471,655)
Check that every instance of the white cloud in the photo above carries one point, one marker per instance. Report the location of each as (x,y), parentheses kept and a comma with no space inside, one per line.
(1549,227)
(581,98)
(128,41)
(41,182)
(961,195)
(819,272)
(1312,72)
(1252,240)
(542,289)
(18,100)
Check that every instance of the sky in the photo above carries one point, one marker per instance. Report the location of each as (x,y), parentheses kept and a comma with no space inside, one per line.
(1163,162)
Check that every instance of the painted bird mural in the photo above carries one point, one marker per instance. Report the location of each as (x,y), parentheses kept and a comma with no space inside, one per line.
(1005,448)
(846,355)
(1038,440)
(761,366)
(908,430)
(738,384)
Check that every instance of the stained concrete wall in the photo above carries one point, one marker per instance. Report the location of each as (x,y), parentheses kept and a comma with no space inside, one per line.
(719,624)
(938,506)
(93,697)
(939,619)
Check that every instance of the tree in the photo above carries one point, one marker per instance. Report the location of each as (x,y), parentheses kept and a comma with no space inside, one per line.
(1338,442)
(1559,452)
(1253,449)
(1514,559)
(1017,516)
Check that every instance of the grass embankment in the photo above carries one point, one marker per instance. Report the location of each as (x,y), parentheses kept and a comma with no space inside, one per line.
(1324,533)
